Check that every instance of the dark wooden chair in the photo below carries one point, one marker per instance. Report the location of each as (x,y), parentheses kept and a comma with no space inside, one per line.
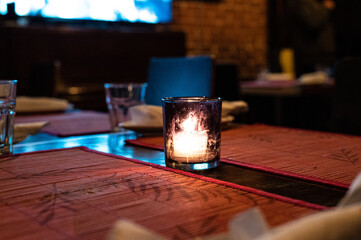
(226,80)
(346,112)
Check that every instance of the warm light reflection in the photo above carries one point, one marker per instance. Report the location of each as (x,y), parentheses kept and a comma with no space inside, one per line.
(190,143)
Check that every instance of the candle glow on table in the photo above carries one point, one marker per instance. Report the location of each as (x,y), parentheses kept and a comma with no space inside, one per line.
(190,144)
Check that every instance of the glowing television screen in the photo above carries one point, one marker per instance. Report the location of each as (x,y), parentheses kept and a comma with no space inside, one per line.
(142,11)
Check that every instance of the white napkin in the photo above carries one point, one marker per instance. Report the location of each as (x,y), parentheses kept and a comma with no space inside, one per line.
(127,230)
(242,226)
(340,223)
(313,78)
(233,107)
(40,104)
(353,195)
(22,130)
(146,115)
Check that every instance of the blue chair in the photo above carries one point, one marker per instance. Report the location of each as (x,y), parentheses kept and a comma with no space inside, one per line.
(179,77)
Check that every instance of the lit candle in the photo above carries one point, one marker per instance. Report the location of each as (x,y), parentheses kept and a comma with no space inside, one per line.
(190,144)
(192,132)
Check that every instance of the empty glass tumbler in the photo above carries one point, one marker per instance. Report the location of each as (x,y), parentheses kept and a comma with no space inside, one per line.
(7,113)
(120,97)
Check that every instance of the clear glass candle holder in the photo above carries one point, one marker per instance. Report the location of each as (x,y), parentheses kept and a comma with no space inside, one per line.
(192,132)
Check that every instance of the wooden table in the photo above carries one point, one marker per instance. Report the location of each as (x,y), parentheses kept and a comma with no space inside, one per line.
(288,103)
(88,192)
(285,88)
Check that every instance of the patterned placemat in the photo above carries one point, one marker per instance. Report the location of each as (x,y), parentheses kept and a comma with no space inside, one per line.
(79,193)
(70,123)
(327,158)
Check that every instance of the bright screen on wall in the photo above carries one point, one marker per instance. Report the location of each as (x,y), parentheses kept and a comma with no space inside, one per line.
(143,11)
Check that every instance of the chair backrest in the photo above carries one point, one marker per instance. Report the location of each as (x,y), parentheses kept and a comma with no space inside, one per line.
(346,112)
(226,82)
(179,77)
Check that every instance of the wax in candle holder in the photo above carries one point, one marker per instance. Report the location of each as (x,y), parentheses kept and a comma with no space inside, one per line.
(192,132)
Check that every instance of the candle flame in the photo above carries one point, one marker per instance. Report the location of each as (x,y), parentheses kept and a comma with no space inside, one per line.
(190,124)
(190,143)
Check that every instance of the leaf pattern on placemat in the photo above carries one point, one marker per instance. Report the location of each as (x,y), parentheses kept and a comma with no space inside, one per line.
(251,199)
(57,172)
(207,227)
(110,180)
(345,155)
(49,202)
(94,186)
(144,185)
(62,199)
(261,138)
(189,191)
(304,134)
(8,158)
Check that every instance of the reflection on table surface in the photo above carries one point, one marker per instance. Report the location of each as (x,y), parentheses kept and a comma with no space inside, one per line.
(108,143)
(114,143)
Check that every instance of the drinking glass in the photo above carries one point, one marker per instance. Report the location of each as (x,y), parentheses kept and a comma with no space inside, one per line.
(7,113)
(120,97)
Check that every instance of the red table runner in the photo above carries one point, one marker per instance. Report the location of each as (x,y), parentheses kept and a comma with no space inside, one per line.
(79,193)
(316,156)
(70,124)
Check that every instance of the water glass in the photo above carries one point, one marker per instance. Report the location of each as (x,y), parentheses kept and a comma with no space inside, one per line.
(120,97)
(7,113)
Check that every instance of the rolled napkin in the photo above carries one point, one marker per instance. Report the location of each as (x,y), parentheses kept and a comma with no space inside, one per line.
(353,195)
(23,130)
(313,78)
(233,107)
(40,104)
(146,115)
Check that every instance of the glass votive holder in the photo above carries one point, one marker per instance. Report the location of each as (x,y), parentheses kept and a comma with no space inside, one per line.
(192,132)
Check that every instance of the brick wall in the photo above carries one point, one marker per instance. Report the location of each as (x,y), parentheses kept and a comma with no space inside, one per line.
(234,31)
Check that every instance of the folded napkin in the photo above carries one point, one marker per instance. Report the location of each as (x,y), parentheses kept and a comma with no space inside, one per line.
(146,115)
(233,107)
(40,104)
(127,230)
(271,77)
(313,78)
(152,116)
(342,222)
(23,130)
